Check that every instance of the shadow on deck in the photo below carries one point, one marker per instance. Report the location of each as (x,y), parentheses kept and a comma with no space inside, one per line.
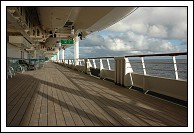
(58,96)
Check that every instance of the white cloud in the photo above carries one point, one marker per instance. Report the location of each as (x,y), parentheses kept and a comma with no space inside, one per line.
(158,31)
(162,22)
(147,30)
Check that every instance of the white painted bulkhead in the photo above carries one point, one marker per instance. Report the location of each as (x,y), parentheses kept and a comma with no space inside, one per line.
(170,87)
(15,52)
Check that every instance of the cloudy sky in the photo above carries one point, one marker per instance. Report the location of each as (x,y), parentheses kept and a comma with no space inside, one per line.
(147,30)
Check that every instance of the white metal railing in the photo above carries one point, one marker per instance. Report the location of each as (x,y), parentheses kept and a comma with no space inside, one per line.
(122,70)
(103,63)
(164,67)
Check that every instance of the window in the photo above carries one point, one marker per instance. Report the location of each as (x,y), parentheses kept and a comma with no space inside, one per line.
(38,32)
(33,33)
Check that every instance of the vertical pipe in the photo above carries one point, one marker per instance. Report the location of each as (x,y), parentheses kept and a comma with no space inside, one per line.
(175,67)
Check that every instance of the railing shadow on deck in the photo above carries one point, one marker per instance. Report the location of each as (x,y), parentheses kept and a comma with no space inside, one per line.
(79,83)
(100,100)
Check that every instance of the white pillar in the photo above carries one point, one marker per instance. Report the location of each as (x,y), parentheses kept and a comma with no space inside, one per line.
(62,55)
(58,55)
(76,50)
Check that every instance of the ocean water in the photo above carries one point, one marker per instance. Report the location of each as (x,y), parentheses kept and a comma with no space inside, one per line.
(155,67)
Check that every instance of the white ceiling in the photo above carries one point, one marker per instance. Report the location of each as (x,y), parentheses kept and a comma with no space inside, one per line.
(84,18)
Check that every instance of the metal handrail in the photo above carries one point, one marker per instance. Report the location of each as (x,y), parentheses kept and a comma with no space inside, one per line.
(145,55)
(173,55)
(166,54)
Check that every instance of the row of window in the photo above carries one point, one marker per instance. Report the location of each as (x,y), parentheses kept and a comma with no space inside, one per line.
(23,12)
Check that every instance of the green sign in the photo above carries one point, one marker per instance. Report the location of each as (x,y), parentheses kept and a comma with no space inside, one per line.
(54,54)
(67,42)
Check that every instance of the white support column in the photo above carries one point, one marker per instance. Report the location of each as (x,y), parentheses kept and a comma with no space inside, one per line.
(123,71)
(62,55)
(76,50)
(58,56)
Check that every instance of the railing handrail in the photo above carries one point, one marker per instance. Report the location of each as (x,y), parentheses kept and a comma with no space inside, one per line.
(165,54)
(144,55)
(144,63)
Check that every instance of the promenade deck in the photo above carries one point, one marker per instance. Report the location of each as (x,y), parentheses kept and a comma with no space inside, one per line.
(58,96)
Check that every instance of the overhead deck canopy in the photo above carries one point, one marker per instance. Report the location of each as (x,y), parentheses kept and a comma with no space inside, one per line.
(87,19)
(47,26)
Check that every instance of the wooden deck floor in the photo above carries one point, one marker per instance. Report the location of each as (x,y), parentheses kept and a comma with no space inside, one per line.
(58,96)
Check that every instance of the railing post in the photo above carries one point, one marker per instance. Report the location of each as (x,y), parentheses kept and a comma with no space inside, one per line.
(101,65)
(73,62)
(175,67)
(89,63)
(94,63)
(143,65)
(128,79)
(68,63)
(83,62)
(108,64)
(144,78)
(101,68)
(79,62)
